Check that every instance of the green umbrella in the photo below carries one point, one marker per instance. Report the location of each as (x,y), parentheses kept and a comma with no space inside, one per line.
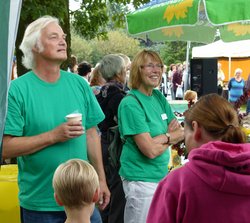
(192,20)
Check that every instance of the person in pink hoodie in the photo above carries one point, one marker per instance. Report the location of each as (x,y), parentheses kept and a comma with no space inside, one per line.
(214,186)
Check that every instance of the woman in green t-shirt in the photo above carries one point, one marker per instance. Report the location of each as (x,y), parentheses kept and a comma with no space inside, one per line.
(148,126)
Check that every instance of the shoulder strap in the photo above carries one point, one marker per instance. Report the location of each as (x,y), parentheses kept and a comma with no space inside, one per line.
(135,98)
(139,103)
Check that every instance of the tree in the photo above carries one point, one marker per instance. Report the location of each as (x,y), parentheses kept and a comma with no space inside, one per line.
(117,42)
(94,50)
(173,52)
(81,48)
(93,16)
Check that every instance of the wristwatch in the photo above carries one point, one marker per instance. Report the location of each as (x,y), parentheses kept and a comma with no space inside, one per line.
(168,136)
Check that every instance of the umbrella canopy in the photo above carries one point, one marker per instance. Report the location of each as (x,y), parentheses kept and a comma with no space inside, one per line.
(192,20)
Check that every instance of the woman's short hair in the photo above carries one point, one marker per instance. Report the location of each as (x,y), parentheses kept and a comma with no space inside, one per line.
(218,118)
(135,77)
(32,37)
(126,59)
(238,70)
(110,66)
(75,183)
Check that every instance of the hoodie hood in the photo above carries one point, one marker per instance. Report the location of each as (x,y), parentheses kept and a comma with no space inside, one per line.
(223,166)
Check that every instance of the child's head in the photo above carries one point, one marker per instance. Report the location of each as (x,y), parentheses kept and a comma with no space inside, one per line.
(190,95)
(75,184)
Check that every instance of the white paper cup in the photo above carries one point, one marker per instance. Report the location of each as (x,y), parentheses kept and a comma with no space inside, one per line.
(74,117)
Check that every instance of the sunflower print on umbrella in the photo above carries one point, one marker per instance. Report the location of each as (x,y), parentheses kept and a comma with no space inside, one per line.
(175,13)
(239,29)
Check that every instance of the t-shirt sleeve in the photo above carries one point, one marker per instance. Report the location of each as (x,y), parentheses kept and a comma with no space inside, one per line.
(131,118)
(14,120)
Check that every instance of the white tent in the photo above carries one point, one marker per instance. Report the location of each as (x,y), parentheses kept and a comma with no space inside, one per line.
(222,49)
(219,48)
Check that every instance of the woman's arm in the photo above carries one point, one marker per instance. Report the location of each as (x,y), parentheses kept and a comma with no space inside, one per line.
(153,147)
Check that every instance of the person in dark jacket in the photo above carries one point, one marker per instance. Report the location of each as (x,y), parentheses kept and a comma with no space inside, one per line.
(113,69)
(177,80)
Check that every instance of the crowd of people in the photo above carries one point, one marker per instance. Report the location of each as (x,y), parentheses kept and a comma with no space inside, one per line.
(64,169)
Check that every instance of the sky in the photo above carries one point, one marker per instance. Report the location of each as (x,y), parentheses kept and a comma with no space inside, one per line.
(74,4)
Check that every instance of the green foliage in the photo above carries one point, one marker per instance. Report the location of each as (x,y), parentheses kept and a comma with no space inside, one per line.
(94,50)
(89,19)
(33,9)
(117,42)
(173,52)
(95,17)
(81,48)
(116,14)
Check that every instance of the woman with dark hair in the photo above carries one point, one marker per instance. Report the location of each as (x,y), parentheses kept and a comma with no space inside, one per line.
(177,81)
(214,185)
(84,70)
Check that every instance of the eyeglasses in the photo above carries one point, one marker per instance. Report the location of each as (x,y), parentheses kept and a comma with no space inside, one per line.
(152,66)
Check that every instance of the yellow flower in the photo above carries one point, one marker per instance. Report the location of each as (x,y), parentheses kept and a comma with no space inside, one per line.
(175,31)
(246,131)
(178,10)
(239,29)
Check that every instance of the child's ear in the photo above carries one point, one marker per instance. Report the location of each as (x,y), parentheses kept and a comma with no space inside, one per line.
(96,195)
(58,201)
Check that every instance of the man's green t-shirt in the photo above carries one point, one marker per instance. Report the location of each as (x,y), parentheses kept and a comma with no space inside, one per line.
(35,107)
(152,116)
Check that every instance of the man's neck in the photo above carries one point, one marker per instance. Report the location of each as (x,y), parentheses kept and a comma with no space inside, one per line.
(48,73)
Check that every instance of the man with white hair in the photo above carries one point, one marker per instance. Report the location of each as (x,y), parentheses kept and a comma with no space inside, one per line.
(36,130)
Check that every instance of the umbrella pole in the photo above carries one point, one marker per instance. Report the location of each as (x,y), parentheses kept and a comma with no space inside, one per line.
(229,67)
(187,78)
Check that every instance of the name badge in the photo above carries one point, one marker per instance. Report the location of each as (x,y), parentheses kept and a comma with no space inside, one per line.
(164,116)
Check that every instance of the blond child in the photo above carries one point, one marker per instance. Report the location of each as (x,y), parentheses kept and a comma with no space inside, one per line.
(190,95)
(76,187)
